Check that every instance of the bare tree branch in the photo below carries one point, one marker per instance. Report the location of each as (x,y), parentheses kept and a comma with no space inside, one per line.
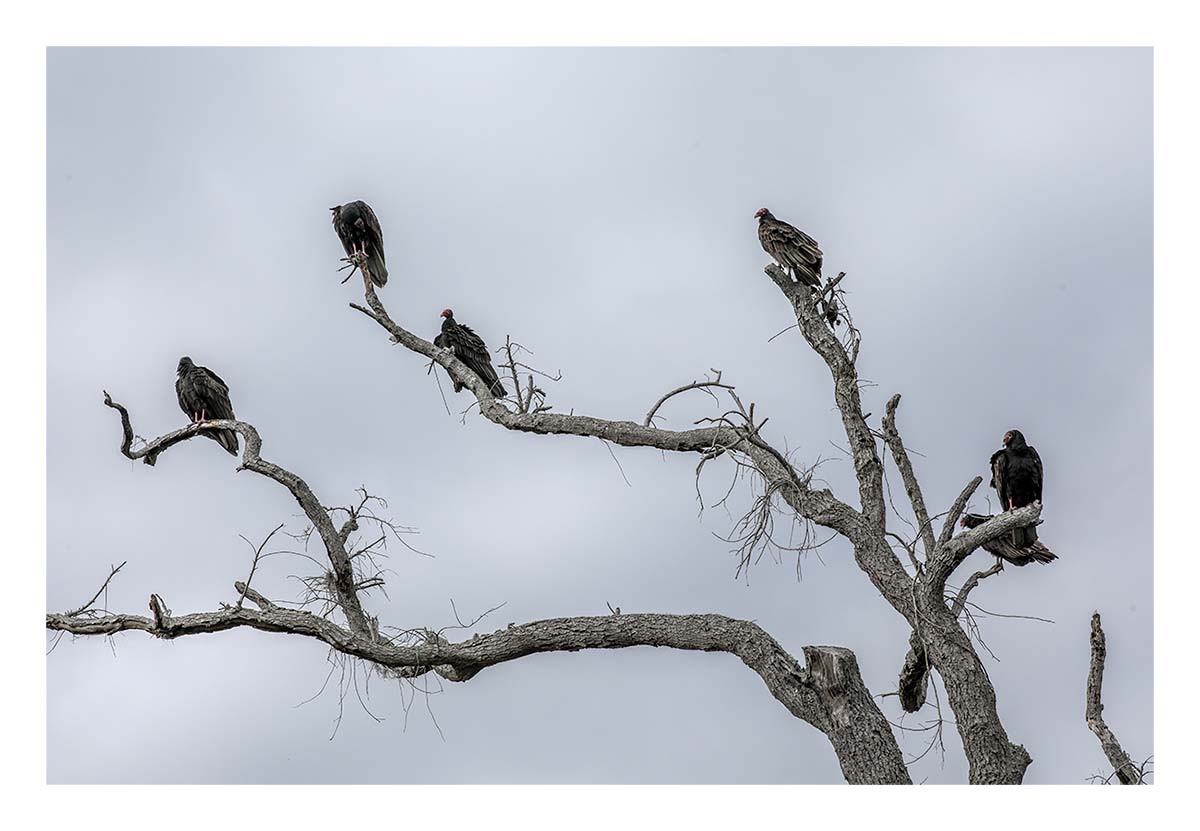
(111,574)
(334,543)
(911,486)
(1127,772)
(829,694)
(695,385)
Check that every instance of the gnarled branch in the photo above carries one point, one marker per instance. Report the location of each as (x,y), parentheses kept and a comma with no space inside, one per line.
(334,543)
(829,694)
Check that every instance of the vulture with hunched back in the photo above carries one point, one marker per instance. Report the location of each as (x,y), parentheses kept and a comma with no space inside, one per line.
(469,348)
(796,251)
(360,233)
(793,249)
(205,397)
(1017,478)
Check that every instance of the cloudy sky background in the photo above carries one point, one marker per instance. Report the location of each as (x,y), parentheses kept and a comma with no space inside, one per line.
(992,209)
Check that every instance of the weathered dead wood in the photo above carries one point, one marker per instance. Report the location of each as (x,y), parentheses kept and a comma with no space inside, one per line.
(335,548)
(829,694)
(1127,772)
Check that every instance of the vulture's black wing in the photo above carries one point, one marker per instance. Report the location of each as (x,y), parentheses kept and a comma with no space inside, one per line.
(472,351)
(792,248)
(1037,475)
(999,466)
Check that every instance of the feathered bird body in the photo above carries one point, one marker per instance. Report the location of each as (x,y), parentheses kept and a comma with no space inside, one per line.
(1017,478)
(205,397)
(360,232)
(791,248)
(469,348)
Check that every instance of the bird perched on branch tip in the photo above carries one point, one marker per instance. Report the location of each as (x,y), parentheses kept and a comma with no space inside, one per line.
(362,237)
(796,251)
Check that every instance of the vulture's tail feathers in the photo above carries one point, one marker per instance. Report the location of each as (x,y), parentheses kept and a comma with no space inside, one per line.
(1023,537)
(377,269)
(227,439)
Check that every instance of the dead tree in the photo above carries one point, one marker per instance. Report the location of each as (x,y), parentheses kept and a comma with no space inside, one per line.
(826,692)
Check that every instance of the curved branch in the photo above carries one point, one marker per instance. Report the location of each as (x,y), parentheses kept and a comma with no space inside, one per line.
(1127,772)
(818,505)
(251,460)
(829,694)
(695,385)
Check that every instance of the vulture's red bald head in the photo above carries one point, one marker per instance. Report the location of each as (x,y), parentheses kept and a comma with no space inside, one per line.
(761,213)
(447,313)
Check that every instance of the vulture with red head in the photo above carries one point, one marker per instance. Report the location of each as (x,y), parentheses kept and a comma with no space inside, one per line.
(793,249)
(360,233)
(469,348)
(796,251)
(1017,478)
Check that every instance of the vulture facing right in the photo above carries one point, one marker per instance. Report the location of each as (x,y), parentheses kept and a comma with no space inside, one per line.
(469,348)
(205,397)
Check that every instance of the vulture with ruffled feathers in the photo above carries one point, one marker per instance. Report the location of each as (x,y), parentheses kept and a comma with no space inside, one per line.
(469,348)
(1017,478)
(360,233)
(793,249)
(205,397)
(796,251)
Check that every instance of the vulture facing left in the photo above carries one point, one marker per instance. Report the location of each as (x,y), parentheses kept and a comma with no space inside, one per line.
(793,249)
(469,348)
(1017,478)
(796,251)
(360,233)
(205,397)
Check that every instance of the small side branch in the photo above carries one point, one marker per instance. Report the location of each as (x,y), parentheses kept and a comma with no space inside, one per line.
(99,591)
(911,486)
(695,385)
(1127,772)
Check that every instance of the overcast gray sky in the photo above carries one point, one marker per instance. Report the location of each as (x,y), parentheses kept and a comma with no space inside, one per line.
(992,208)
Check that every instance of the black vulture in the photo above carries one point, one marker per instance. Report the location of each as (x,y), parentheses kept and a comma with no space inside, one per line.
(795,250)
(1017,478)
(205,397)
(359,231)
(469,348)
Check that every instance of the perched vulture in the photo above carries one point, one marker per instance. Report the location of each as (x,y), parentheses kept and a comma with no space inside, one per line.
(359,231)
(1017,478)
(796,251)
(469,348)
(205,397)
(791,248)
